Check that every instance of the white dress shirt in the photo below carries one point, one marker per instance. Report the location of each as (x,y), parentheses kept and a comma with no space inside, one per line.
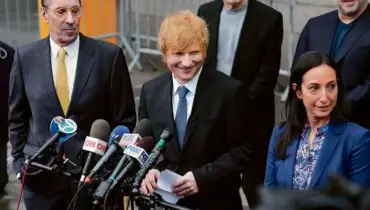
(70,59)
(191,85)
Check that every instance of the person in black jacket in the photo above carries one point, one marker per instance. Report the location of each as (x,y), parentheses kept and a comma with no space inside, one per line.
(6,61)
(245,38)
(207,113)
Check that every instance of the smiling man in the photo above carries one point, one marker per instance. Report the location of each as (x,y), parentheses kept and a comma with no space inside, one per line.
(212,145)
(345,35)
(66,74)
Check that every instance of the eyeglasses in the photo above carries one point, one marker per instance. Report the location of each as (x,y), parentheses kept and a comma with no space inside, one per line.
(62,12)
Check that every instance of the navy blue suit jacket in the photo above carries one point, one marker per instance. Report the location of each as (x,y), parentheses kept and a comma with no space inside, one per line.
(345,151)
(102,90)
(6,61)
(353,57)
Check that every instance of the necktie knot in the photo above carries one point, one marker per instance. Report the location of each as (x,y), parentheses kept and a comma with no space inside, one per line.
(183,91)
(62,53)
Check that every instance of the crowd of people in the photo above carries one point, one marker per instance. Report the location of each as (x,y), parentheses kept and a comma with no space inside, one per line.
(217,96)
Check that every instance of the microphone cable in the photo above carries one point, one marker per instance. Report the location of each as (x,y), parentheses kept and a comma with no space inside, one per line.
(74,199)
(22,187)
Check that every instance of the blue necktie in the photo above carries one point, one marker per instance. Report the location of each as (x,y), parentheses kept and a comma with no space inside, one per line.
(181,115)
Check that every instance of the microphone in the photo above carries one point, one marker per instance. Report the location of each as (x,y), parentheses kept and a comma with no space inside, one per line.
(153,157)
(147,145)
(117,133)
(143,128)
(95,143)
(137,152)
(62,129)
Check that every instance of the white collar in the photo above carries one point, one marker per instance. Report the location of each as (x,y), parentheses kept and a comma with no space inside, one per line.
(72,49)
(191,85)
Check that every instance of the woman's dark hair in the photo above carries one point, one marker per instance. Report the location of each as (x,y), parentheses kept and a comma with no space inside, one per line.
(294,110)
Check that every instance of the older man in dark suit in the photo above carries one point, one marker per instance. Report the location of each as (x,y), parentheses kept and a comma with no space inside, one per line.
(345,35)
(66,74)
(6,61)
(212,145)
(245,43)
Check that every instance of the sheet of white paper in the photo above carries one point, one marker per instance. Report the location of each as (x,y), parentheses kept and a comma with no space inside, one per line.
(165,181)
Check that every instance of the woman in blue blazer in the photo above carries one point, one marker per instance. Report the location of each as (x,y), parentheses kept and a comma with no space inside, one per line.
(316,140)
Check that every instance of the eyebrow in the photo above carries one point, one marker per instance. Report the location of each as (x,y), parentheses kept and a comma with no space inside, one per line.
(316,83)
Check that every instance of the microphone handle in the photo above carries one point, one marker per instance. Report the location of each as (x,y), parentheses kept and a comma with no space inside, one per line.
(112,149)
(48,168)
(145,169)
(43,148)
(111,182)
(105,185)
(123,172)
(86,167)
(118,167)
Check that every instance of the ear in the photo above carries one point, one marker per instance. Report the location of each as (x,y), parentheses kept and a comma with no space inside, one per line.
(297,92)
(164,58)
(44,15)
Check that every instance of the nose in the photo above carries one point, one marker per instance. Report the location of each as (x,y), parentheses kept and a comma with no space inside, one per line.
(69,18)
(186,60)
(324,96)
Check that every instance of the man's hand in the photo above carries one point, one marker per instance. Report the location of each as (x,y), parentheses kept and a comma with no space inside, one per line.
(149,184)
(185,185)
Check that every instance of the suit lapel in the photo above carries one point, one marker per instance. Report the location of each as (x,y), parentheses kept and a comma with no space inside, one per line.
(85,65)
(291,153)
(248,35)
(329,145)
(45,73)
(328,32)
(213,25)
(201,95)
(166,107)
(361,25)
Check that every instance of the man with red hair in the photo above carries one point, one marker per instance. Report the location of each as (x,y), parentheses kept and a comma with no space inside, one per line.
(211,144)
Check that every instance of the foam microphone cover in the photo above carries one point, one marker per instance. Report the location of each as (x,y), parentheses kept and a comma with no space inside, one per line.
(117,133)
(147,143)
(144,128)
(100,129)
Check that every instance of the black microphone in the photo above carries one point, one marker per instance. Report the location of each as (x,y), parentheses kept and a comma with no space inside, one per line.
(96,143)
(143,128)
(135,155)
(153,157)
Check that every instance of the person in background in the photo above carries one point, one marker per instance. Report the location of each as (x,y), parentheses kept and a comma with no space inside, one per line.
(316,140)
(6,61)
(212,143)
(344,34)
(245,44)
(65,74)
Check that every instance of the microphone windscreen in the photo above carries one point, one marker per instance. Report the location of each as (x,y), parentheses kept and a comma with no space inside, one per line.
(100,129)
(147,143)
(143,128)
(117,133)
(54,124)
